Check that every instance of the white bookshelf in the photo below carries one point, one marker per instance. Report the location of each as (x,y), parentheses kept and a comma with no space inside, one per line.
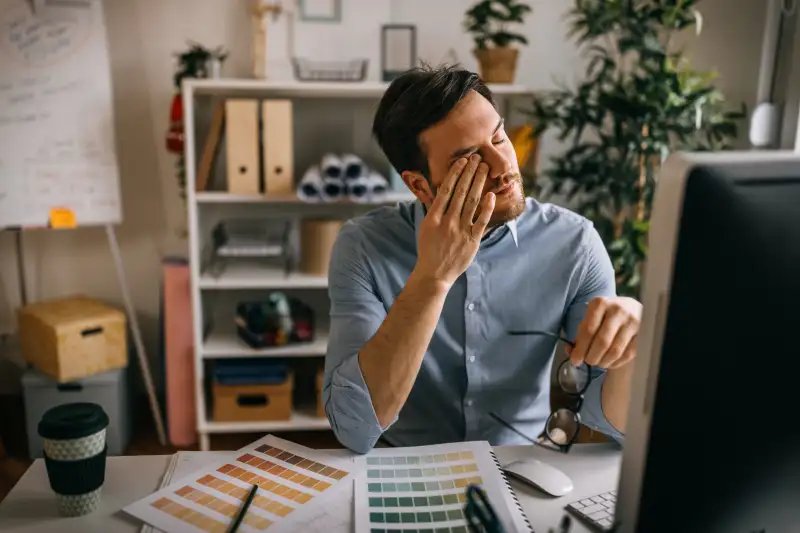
(224,343)
(250,276)
(251,279)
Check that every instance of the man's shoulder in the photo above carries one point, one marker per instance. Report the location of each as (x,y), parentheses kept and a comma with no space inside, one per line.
(386,225)
(541,216)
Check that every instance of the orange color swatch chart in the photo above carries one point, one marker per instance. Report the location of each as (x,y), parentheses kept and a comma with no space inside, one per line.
(293,482)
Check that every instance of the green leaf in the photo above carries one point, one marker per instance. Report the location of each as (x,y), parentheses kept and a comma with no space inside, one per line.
(639,98)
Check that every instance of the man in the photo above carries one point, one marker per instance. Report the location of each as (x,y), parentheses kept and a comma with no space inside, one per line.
(423,294)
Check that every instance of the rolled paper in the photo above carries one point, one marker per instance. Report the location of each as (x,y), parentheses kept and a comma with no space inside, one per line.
(354,167)
(358,189)
(311,185)
(377,185)
(332,189)
(331,166)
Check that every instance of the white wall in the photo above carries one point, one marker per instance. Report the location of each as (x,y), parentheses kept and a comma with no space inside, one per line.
(439,29)
(144,35)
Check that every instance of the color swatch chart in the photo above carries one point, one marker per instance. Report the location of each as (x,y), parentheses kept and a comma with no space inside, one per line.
(291,479)
(409,490)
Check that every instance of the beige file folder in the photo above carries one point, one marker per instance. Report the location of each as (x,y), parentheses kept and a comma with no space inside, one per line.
(241,144)
(278,142)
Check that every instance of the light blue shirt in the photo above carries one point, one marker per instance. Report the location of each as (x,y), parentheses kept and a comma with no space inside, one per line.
(537,272)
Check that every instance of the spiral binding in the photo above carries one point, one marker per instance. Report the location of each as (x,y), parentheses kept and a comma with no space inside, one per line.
(511,492)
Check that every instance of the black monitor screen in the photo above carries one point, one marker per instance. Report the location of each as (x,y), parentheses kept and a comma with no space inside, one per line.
(724,449)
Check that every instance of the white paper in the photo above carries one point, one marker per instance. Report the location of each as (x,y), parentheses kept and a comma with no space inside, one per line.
(425,487)
(285,501)
(56,115)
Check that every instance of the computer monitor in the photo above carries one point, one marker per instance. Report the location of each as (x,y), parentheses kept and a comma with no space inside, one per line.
(713,433)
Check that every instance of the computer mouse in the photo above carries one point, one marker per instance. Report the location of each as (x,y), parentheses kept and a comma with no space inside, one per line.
(542,476)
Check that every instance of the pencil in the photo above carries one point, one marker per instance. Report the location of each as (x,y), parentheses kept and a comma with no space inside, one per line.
(243,510)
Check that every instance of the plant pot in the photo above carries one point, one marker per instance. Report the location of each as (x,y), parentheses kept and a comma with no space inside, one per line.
(497,65)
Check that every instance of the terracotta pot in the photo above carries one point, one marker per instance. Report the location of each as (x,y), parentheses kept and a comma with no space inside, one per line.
(497,65)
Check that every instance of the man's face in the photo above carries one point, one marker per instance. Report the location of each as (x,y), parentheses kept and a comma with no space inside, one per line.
(475,127)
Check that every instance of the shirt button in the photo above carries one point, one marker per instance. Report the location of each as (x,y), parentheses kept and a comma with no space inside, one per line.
(471,307)
(469,403)
(471,358)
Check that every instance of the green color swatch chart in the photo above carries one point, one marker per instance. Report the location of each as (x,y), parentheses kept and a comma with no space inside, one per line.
(401,492)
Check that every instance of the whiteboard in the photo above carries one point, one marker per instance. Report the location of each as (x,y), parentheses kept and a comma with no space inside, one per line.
(56,115)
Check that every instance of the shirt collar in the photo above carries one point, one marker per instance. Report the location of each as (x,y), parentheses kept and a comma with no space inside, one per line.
(419,215)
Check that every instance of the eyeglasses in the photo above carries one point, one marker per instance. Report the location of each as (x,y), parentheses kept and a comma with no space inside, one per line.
(563,425)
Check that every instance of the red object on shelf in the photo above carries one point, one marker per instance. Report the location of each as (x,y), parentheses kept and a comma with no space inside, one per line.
(175,132)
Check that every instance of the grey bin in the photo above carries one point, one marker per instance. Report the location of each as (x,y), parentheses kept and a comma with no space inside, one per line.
(109,390)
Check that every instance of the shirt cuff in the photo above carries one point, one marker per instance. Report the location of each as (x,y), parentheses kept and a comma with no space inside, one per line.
(349,408)
(592,415)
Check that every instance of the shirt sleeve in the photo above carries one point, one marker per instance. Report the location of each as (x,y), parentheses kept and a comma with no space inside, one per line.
(356,313)
(597,280)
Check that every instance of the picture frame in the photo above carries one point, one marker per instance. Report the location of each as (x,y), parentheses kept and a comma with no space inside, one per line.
(398,49)
(319,10)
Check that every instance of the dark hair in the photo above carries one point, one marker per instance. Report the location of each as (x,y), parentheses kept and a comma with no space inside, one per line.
(415,101)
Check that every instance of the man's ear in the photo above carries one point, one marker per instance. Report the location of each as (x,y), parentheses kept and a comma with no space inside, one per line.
(419,186)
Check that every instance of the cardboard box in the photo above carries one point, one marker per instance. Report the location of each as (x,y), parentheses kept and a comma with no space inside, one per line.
(253,403)
(72,338)
(320,405)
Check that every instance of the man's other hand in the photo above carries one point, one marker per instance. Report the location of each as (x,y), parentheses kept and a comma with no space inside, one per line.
(608,333)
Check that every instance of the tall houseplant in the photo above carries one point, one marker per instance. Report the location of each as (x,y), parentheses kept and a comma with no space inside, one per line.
(490,23)
(639,101)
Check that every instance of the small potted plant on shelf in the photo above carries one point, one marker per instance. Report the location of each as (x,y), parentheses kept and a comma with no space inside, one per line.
(489,23)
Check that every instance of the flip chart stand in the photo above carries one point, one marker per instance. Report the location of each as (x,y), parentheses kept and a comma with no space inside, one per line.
(141,353)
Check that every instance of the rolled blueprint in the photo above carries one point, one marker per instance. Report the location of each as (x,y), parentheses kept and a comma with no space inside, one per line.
(311,185)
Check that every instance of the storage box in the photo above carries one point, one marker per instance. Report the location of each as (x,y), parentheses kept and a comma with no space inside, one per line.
(317,238)
(109,390)
(320,404)
(253,403)
(72,338)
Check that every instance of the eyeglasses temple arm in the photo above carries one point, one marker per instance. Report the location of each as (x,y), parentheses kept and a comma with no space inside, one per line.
(545,333)
(515,430)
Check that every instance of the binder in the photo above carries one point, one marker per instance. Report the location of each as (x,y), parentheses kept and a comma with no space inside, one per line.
(278,147)
(241,145)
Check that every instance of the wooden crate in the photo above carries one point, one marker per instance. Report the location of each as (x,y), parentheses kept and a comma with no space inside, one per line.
(253,403)
(320,404)
(72,338)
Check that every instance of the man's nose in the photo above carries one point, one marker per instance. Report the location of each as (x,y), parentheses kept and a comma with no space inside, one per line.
(499,166)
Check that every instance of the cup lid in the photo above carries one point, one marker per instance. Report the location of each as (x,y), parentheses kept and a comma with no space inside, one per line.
(72,421)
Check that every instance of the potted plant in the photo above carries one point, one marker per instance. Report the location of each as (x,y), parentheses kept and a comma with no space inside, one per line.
(489,23)
(639,100)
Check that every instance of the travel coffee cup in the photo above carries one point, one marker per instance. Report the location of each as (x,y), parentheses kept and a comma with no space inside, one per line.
(74,439)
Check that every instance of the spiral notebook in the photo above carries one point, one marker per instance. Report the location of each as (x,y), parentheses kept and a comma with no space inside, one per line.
(424,489)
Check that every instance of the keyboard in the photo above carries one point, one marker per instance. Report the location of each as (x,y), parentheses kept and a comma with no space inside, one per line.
(596,511)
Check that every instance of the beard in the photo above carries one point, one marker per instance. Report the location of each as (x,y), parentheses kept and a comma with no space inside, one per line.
(510,205)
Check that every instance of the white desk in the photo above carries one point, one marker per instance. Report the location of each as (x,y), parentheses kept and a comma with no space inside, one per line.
(31,506)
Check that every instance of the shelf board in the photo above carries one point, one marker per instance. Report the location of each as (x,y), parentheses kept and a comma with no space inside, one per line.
(222,197)
(225,343)
(302,419)
(254,276)
(314,89)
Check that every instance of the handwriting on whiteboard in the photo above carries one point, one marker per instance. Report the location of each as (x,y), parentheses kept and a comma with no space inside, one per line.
(56,115)
(44,39)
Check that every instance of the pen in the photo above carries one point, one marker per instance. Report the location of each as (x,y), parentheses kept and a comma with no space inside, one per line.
(243,510)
